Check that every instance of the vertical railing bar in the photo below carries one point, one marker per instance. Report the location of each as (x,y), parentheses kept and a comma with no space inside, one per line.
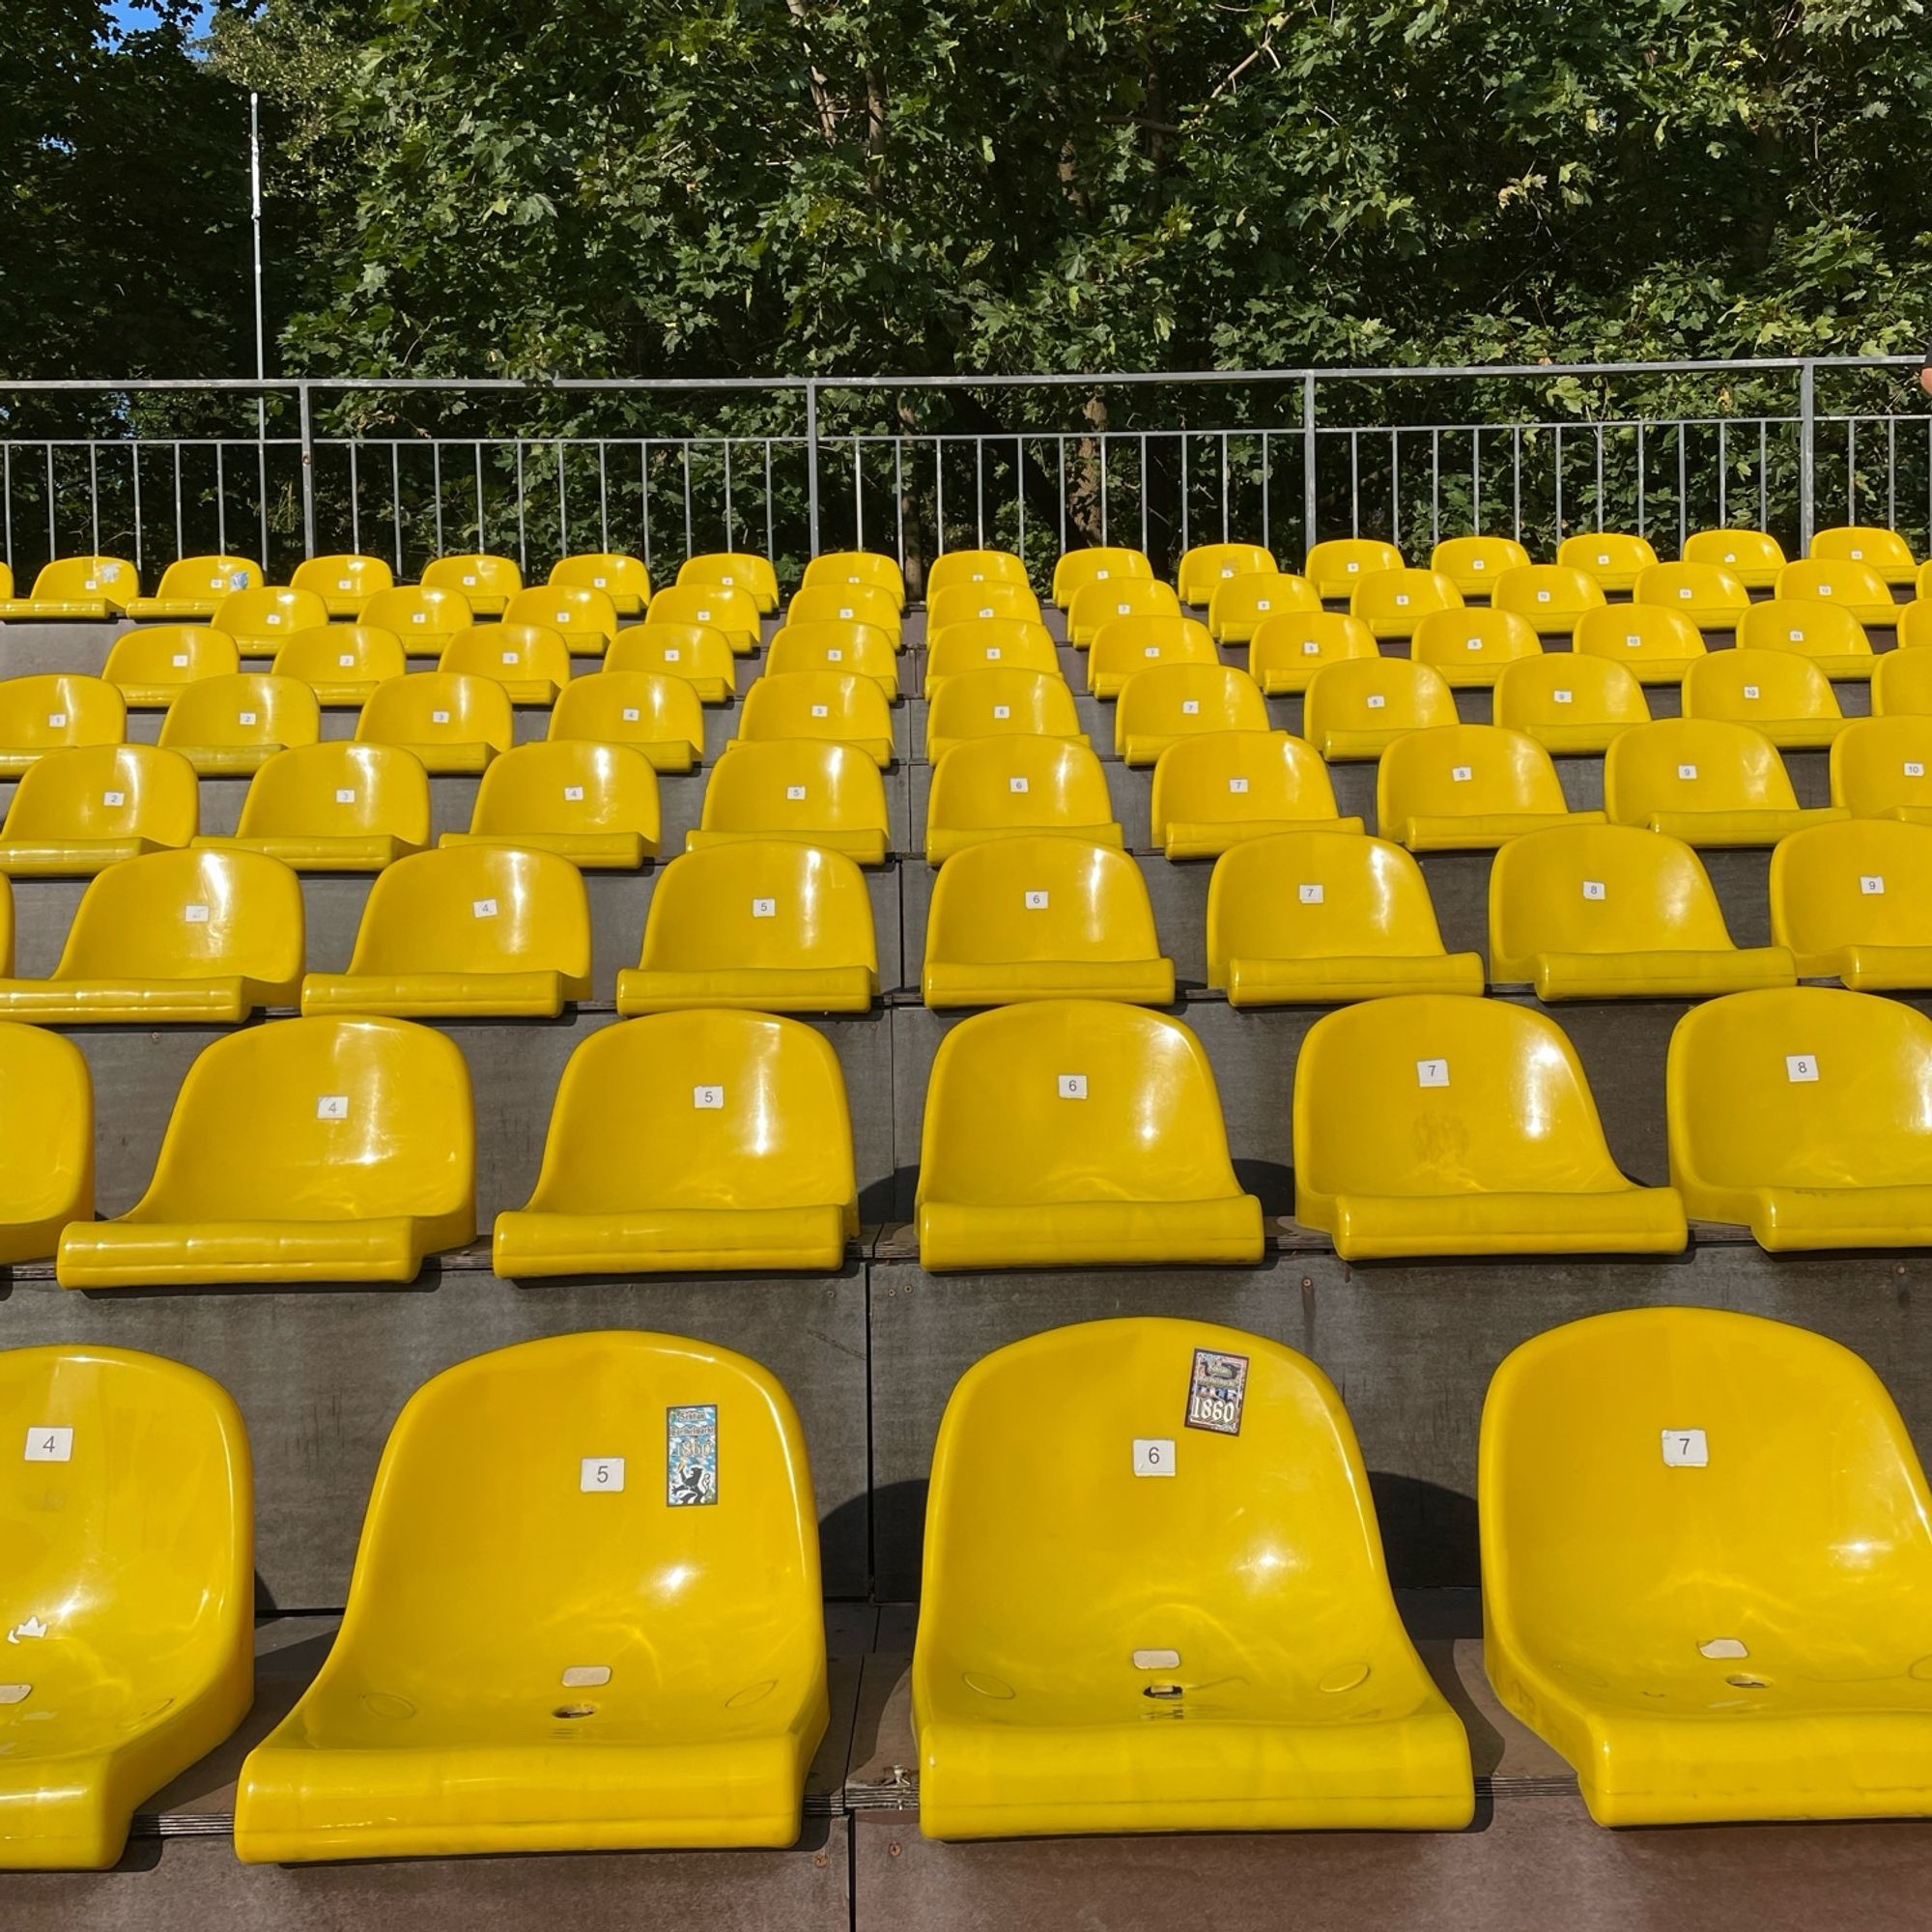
(1268,452)
(858,497)
(1892,472)
(1851,470)
(644,498)
(1600,476)
(180,544)
(899,499)
(1515,485)
(603,495)
(979,492)
(1019,494)
(1395,486)
(482,543)
(1683,482)
(1556,457)
(1642,507)
(94,492)
(1104,537)
(771,513)
(435,486)
(1475,479)
(396,496)
(220,498)
(1308,464)
(1435,489)
(939,494)
(1763,473)
(1355,483)
(730,510)
(134,469)
(1060,470)
(53,537)
(1186,490)
(7,495)
(1723,470)
(1808,456)
(523,508)
(262,483)
(1224,537)
(690,543)
(1146,495)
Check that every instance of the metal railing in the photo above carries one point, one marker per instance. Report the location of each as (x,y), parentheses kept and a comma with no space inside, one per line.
(917,466)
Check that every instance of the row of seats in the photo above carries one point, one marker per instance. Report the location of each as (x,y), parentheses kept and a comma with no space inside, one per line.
(574,1626)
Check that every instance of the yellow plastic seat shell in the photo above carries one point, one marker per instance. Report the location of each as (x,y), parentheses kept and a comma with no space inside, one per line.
(504,1575)
(697,1140)
(344,582)
(769,925)
(659,715)
(619,576)
(736,570)
(308,1150)
(1097,563)
(698,653)
(1752,557)
(1882,768)
(192,587)
(1172,701)
(1708,594)
(1779,693)
(130,1532)
(1010,598)
(1287,650)
(455,723)
(1468,787)
(231,726)
(1551,596)
(1042,918)
(1000,787)
(334,808)
(1698,1656)
(92,588)
(531,661)
(1569,703)
(76,812)
(46,1176)
(584,617)
(1304,917)
(262,621)
(857,566)
(1337,566)
(1614,558)
(1879,549)
(1471,648)
(1095,604)
(474,931)
(1204,568)
(1239,606)
(1705,780)
(425,616)
(47,711)
(1124,646)
(151,667)
(1473,564)
(820,794)
(833,705)
(1391,603)
(1068,1133)
(1614,911)
(1215,792)
(1827,634)
(1357,707)
(1246,1591)
(847,604)
(1433,1125)
(1656,646)
(343,663)
(485,582)
(1002,703)
(972,566)
(595,805)
(989,644)
(1804,1115)
(837,645)
(1853,902)
(1858,587)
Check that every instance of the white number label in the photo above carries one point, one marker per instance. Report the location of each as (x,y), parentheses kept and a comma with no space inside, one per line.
(1190,707)
(1685,595)
(114,798)
(1002,711)
(1801,1066)
(992,652)
(1914,768)
(483,908)
(835,656)
(1686,1449)
(632,715)
(573,794)
(1376,701)
(438,717)
(1593,888)
(195,915)
(343,795)
(1473,643)
(764,908)
(49,1445)
(1016,784)
(1237,784)
(673,656)
(794,792)
(1036,901)
(1263,604)
(1310,648)
(246,717)
(332,1106)
(1073,1087)
(1543,597)
(415,617)
(179,660)
(1309,895)
(704,617)
(508,657)
(708,1099)
(1154,1455)
(1686,771)
(1750,691)
(346,661)
(1401,600)
(601,1475)
(57,718)
(1432,1073)
(1151,651)
(1871,883)
(1462,774)
(1564,697)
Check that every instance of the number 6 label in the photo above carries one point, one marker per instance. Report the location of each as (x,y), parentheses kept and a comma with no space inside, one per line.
(1154,1456)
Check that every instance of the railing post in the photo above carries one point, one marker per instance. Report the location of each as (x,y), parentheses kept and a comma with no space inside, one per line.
(1308,463)
(1808,456)
(308,473)
(811,462)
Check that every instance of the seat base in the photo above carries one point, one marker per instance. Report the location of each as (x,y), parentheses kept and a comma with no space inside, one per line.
(174,610)
(76,609)
(442,995)
(942,842)
(670,1240)
(773,989)
(1610,1221)
(1661,974)
(318,854)
(160,1254)
(863,847)
(149,696)
(1872,969)
(451,761)
(227,761)
(337,696)
(588,851)
(1084,1233)
(1787,1220)
(1341,979)
(1481,830)
(1800,734)
(138,1002)
(1209,838)
(878,750)
(1576,741)
(1145,983)
(70,859)
(1717,831)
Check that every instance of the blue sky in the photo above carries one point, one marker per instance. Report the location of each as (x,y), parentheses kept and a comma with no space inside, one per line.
(127,15)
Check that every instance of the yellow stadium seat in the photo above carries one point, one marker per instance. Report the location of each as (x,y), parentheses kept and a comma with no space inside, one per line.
(472,932)
(1705,1566)
(1902,682)
(1705,780)
(1553,596)
(736,570)
(1391,603)
(309,1150)
(1804,1115)
(1853,902)
(425,616)
(1570,704)
(1779,693)
(837,705)
(1655,645)
(1159,707)
(1240,605)
(6,582)
(262,621)
(1246,1594)
(343,582)
(453,723)
(1287,650)
(87,587)
(844,603)
(1708,594)
(129,1592)
(1127,646)
(334,808)
(594,804)
(1882,768)
(487,582)
(1924,594)
(1613,559)
(48,710)
(662,717)
(1915,619)
(195,586)
(768,923)
(231,726)
(1879,549)
(843,646)
(1358,707)
(1473,564)
(47,1177)
(972,566)
(1000,704)
(974,603)
(531,661)
(1000,787)
(1827,634)
(818,794)
(1754,558)
(856,566)
(619,576)
(1471,648)
(173,939)
(530,1527)
(1307,918)
(1011,643)
(1858,587)
(1337,566)
(1613,912)
(1433,1125)
(1067,1133)
(1204,568)
(687,1140)
(1098,563)
(75,813)
(1468,787)
(1095,604)
(698,653)
(342,664)
(584,617)
(1213,793)
(1042,918)
(151,667)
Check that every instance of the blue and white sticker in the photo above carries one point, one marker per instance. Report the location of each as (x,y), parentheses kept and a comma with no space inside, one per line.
(691,1462)
(1219,1387)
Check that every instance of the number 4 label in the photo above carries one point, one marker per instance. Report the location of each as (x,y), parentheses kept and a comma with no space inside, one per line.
(1686,1449)
(1154,1455)
(46,1444)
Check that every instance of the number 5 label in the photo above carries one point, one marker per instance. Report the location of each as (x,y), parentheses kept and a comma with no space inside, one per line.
(601,1475)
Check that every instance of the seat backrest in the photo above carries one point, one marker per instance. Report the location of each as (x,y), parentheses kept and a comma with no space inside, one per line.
(1015,900)
(249,707)
(972,566)
(848,645)
(1123,645)
(1750,685)
(1873,544)
(475,909)
(1802,625)
(1553,596)
(1207,566)
(1565,688)
(1607,555)
(1375,693)
(342,654)
(1903,679)
(510,652)
(1307,639)
(1183,700)
(1638,634)
(1379,595)
(734,570)
(1009,783)
(48,709)
(845,604)
(1476,638)
(1246,599)
(106,791)
(1707,587)
(1097,563)
(1834,581)
(425,616)
(816,704)
(629,707)
(1693,765)
(337,789)
(46,1132)
(1734,549)
(759,903)
(69,580)
(857,566)
(1337,566)
(1878,763)
(189,915)
(1857,882)
(692,651)
(582,616)
(794,786)
(438,707)
(475,571)
(262,621)
(1016,644)
(347,574)
(1238,774)
(616,573)
(171,654)
(191,579)
(568,785)
(967,603)
(1073,1100)
(1460,770)
(1094,605)
(1474,563)
(1002,703)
